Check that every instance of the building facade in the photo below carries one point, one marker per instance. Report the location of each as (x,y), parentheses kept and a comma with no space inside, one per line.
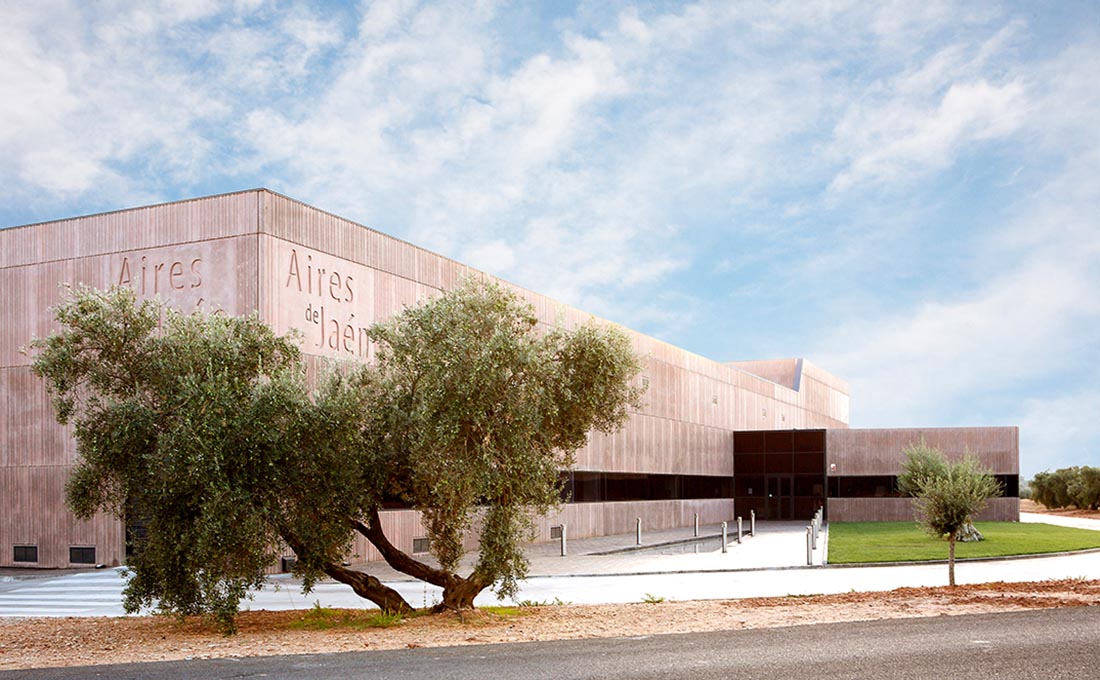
(717,439)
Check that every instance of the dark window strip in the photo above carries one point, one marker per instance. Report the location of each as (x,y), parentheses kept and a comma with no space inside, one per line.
(886,486)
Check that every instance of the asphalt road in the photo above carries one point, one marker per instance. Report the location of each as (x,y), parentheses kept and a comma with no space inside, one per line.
(1048,644)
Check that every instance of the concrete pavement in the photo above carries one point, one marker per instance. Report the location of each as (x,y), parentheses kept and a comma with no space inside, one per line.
(771,563)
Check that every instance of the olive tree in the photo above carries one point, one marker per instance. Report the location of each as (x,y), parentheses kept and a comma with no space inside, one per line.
(947,495)
(1068,487)
(476,412)
(204,427)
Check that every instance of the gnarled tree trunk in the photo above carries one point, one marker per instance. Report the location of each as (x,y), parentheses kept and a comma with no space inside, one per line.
(458,591)
(369,587)
(364,585)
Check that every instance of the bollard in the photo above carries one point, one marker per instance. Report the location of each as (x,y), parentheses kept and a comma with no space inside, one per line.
(696,525)
(813,536)
(752,523)
(638,527)
(564,547)
(739,532)
(809,548)
(724,550)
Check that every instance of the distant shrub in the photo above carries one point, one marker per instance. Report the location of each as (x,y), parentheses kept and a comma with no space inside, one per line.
(1072,487)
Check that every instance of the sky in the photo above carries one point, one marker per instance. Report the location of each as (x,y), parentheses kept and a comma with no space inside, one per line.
(906,194)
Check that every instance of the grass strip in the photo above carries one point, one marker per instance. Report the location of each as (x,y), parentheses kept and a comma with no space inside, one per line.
(859,542)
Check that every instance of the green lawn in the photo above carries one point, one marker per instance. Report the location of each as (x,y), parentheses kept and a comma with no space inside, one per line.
(852,542)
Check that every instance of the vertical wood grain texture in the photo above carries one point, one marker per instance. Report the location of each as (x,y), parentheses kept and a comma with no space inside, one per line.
(880,451)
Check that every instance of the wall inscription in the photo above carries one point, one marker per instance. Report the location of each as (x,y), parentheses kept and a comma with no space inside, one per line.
(330,295)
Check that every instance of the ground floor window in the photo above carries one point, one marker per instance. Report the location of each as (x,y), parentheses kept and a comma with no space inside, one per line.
(82,555)
(886,486)
(25,553)
(602,487)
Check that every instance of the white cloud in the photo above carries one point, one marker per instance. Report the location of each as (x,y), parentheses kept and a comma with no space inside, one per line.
(1059,432)
(1019,347)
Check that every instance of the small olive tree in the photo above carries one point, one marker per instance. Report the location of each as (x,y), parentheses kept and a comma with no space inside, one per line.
(947,495)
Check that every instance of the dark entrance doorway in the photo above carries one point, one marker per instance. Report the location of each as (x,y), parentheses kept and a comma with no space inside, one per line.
(779,474)
(780,501)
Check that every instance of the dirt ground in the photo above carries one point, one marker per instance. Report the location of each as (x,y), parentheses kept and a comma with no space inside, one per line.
(1031,506)
(33,643)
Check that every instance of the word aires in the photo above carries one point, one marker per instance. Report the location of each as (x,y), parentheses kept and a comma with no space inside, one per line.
(338,287)
(149,277)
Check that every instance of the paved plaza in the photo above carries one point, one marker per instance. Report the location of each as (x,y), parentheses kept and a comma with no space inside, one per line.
(607,569)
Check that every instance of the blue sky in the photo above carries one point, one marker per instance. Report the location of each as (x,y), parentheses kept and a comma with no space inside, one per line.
(907,194)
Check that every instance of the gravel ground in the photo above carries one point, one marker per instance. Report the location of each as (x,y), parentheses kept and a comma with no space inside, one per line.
(35,643)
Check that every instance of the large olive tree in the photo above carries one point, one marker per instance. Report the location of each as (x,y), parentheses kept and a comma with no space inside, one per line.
(476,412)
(204,425)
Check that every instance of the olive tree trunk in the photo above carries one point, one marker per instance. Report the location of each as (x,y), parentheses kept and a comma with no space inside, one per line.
(458,591)
(365,586)
(951,560)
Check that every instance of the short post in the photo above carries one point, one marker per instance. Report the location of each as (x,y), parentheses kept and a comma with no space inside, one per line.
(813,535)
(638,529)
(739,531)
(752,522)
(724,550)
(564,541)
(696,525)
(809,547)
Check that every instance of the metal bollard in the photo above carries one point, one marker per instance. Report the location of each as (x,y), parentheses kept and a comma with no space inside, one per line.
(739,532)
(564,541)
(696,525)
(638,527)
(809,547)
(813,536)
(752,522)
(724,549)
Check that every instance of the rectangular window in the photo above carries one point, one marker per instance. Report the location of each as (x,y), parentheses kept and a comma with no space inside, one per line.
(25,553)
(81,555)
(555,533)
(421,545)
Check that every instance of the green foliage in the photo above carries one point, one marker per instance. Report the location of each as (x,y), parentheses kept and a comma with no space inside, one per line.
(478,411)
(1068,487)
(949,501)
(869,542)
(652,599)
(946,495)
(922,463)
(202,425)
